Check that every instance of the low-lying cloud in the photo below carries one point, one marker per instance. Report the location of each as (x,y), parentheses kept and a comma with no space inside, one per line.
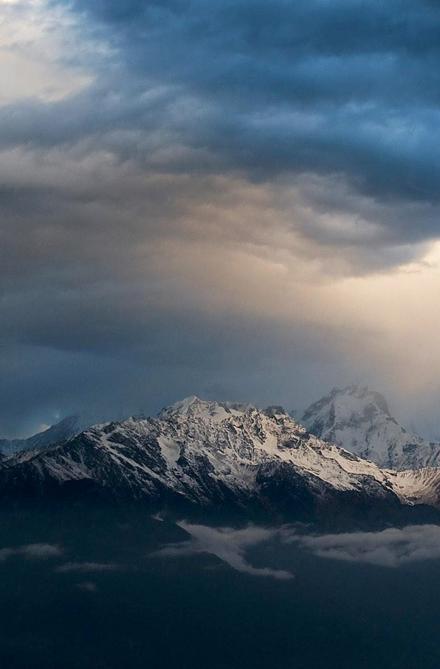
(85,567)
(31,552)
(228,544)
(392,547)
(87,586)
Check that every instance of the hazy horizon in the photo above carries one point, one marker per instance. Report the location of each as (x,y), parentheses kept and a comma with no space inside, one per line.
(421,426)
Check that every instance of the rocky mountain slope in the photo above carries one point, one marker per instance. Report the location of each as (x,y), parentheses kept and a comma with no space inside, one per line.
(60,432)
(203,454)
(359,420)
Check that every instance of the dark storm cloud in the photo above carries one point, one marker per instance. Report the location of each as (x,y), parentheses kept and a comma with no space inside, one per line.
(293,132)
(270,90)
(342,87)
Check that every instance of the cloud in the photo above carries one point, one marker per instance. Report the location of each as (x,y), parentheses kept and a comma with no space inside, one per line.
(80,567)
(195,199)
(87,586)
(299,88)
(228,544)
(31,552)
(392,547)
(263,92)
(35,46)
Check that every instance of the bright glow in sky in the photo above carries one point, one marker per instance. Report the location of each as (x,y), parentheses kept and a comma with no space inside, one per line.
(36,45)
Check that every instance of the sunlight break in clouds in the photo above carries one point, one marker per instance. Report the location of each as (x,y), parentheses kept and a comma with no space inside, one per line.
(226,543)
(37,39)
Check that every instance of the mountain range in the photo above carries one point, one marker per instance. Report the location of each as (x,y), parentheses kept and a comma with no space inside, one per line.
(210,456)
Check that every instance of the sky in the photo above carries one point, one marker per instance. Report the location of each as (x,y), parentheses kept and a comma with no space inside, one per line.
(230,198)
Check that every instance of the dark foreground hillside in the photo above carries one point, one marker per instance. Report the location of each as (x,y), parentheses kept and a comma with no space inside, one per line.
(85,590)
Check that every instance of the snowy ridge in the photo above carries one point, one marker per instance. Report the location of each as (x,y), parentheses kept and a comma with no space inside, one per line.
(210,453)
(63,431)
(359,420)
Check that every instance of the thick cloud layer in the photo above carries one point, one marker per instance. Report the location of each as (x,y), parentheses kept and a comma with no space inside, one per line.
(197,197)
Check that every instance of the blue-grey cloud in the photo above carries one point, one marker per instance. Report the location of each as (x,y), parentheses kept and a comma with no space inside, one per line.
(219,152)
(343,88)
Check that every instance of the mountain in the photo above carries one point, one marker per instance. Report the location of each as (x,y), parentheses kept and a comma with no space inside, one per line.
(208,455)
(60,432)
(359,420)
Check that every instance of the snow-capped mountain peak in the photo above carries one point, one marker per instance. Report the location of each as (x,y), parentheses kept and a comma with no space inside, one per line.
(207,453)
(359,420)
(197,408)
(58,433)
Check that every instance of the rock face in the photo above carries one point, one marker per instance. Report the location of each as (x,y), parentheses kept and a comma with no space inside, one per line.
(206,455)
(358,419)
(62,431)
